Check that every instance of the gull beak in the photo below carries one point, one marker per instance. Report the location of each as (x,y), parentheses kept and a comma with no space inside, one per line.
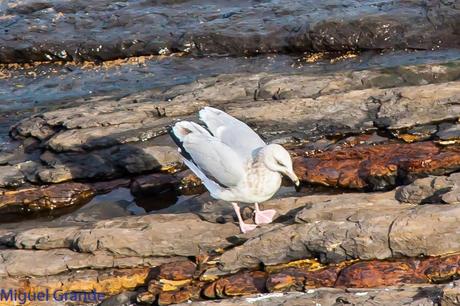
(293,178)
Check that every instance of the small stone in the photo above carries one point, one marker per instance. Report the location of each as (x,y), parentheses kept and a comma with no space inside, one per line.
(11,176)
(418,133)
(175,297)
(449,131)
(146,298)
(425,190)
(122,299)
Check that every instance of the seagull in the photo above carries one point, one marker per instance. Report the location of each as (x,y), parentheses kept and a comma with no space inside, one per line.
(233,162)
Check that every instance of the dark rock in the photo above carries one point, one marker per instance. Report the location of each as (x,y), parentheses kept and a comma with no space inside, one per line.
(35,127)
(122,299)
(448,132)
(153,184)
(107,163)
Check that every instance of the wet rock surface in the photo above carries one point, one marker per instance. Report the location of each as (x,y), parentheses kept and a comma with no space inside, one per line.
(90,31)
(47,197)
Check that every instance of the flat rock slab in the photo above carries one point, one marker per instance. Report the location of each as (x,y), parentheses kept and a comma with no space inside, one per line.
(109,163)
(373,225)
(151,235)
(88,31)
(352,111)
(37,263)
(378,166)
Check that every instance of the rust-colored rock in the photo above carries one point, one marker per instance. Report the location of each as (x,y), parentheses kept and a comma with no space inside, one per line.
(236,285)
(177,271)
(290,279)
(324,277)
(302,275)
(298,278)
(48,197)
(118,280)
(442,268)
(376,166)
(366,274)
(369,274)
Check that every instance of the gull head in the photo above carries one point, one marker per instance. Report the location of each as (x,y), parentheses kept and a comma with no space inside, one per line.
(277,159)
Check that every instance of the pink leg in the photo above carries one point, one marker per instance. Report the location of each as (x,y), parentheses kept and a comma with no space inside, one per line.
(263,216)
(243,226)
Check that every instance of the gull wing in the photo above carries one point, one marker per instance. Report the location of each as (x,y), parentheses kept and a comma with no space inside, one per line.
(232,132)
(210,154)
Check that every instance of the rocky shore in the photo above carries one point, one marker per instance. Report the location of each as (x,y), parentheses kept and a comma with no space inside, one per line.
(94,196)
(387,214)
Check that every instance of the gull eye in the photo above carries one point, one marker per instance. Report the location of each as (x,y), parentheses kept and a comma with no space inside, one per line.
(279,163)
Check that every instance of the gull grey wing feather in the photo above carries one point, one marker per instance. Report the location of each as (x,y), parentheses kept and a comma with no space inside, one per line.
(231,131)
(215,158)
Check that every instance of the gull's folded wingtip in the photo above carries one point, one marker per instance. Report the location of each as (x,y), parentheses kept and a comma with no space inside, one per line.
(209,109)
(177,133)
